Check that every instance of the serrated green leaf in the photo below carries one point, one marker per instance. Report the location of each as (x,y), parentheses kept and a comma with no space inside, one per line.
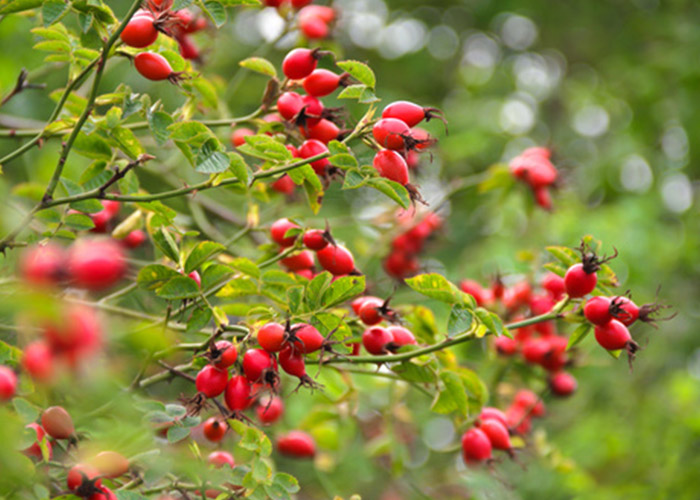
(127,142)
(579,334)
(343,160)
(359,71)
(392,189)
(19,6)
(259,65)
(414,372)
(246,266)
(166,244)
(52,10)
(79,222)
(460,320)
(179,288)
(215,11)
(343,289)
(154,276)
(239,167)
(177,433)
(438,287)
(92,146)
(26,410)
(451,396)
(352,92)
(158,122)
(201,253)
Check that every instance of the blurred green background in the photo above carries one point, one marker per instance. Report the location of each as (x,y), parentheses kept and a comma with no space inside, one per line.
(613,87)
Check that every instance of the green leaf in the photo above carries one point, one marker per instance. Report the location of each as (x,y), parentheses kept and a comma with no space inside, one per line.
(266,148)
(215,11)
(359,71)
(354,179)
(343,289)
(154,276)
(316,288)
(239,167)
(392,189)
(337,147)
(252,439)
(579,334)
(27,411)
(201,253)
(368,96)
(177,433)
(52,11)
(128,495)
(91,206)
(92,146)
(238,287)
(79,222)
(175,410)
(13,6)
(261,471)
(343,160)
(287,481)
(460,320)
(127,142)
(491,321)
(259,65)
(452,395)
(215,275)
(199,320)
(414,372)
(210,160)
(438,287)
(180,287)
(166,244)
(246,266)
(565,255)
(158,122)
(352,92)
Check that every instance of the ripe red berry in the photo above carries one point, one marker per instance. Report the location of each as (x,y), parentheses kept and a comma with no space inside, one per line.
(562,384)
(390,133)
(534,350)
(391,165)
(211,381)
(613,335)
(369,312)
(401,336)
(313,147)
(324,13)
(134,239)
(322,82)
(474,289)
(292,362)
(359,302)
(298,4)
(272,337)
(270,411)
(104,494)
(543,197)
(43,264)
(297,444)
(476,446)
(214,430)
(80,473)
(517,296)
(226,354)
(313,28)
(541,304)
(259,366)
(188,49)
(38,361)
(313,109)
(519,419)
(238,393)
(238,136)
(401,264)
(96,264)
(315,239)
(336,259)
(139,32)
(8,383)
(279,229)
(220,458)
(298,261)
(578,282)
(375,339)
(57,423)
(491,413)
(306,338)
(299,63)
(153,66)
(289,104)
(324,131)
(409,113)
(35,449)
(78,331)
(597,310)
(284,185)
(506,346)
(554,285)
(624,310)
(497,434)
(529,401)
(194,275)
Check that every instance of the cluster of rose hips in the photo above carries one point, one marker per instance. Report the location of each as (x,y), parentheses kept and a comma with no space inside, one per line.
(377,339)
(142,31)
(402,261)
(534,167)
(314,20)
(332,257)
(493,427)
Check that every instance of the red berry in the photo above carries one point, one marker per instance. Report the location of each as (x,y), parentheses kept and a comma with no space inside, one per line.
(297,444)
(391,165)
(375,339)
(220,458)
(476,446)
(321,82)
(299,63)
(313,108)
(284,185)
(278,231)
(79,331)
(211,381)
(96,264)
(401,336)
(57,423)
(490,413)
(298,261)
(270,411)
(274,3)
(517,296)
(336,259)
(359,301)
(139,32)
(529,401)
(43,264)
(238,393)
(306,338)
(292,362)
(227,354)
(597,310)
(79,473)
(272,337)
(474,289)
(238,136)
(324,131)
(390,133)
(153,66)
(409,113)
(506,346)
(313,28)
(541,304)
(554,285)
(624,310)
(134,239)
(613,335)
(519,419)
(578,282)
(8,383)
(315,239)
(35,449)
(214,430)
(188,49)
(497,434)
(298,4)
(543,197)
(289,105)
(401,264)
(259,366)
(562,384)
(324,13)
(369,312)
(314,147)
(534,350)
(194,275)
(38,360)
(105,494)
